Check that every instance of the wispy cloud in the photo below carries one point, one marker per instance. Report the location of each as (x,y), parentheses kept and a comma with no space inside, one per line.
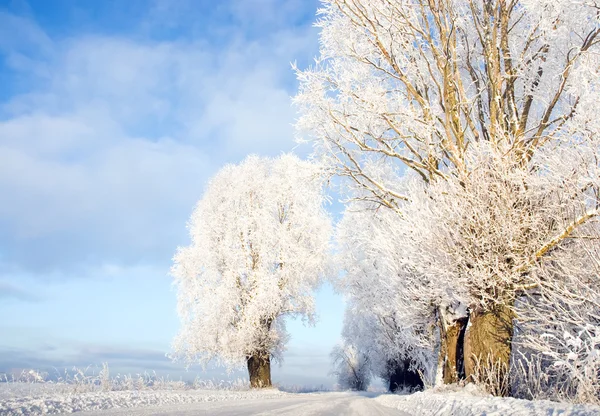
(310,369)
(132,361)
(10,291)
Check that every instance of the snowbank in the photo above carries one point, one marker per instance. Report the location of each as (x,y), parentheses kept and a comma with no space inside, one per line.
(471,403)
(69,403)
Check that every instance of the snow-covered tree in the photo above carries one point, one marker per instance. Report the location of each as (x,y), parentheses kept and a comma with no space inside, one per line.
(399,327)
(260,246)
(413,82)
(351,367)
(382,340)
(418,84)
(505,233)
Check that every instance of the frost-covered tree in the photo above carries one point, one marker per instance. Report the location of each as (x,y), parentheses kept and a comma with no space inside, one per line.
(413,82)
(260,246)
(504,234)
(398,329)
(351,367)
(381,340)
(416,84)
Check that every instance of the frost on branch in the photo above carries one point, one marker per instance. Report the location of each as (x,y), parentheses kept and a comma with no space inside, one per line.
(260,241)
(558,336)
(411,83)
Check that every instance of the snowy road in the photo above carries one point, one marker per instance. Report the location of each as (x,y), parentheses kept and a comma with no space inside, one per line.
(297,405)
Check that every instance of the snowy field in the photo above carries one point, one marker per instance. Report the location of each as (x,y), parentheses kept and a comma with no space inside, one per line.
(36,399)
(40,399)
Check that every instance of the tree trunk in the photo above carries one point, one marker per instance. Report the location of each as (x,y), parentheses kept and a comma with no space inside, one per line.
(451,358)
(453,348)
(259,370)
(487,349)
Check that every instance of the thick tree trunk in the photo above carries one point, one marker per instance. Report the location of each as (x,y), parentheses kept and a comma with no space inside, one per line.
(259,370)
(451,359)
(453,346)
(487,349)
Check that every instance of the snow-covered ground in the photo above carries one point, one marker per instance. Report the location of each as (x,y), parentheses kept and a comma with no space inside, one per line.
(48,399)
(44,401)
(467,404)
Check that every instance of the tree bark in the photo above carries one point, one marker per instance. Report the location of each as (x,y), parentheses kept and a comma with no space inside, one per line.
(451,360)
(259,370)
(487,349)
(453,348)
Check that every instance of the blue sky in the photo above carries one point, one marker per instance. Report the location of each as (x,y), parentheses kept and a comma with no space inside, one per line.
(113,115)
